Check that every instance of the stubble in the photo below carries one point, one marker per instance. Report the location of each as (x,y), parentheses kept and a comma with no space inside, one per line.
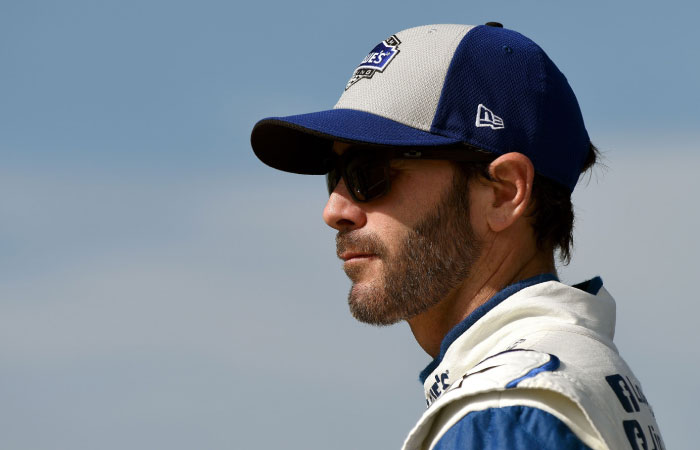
(432,261)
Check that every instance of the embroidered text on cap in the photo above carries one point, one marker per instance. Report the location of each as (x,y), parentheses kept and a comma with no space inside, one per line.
(376,60)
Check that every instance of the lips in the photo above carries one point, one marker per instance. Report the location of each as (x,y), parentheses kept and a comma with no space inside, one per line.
(352,246)
(348,256)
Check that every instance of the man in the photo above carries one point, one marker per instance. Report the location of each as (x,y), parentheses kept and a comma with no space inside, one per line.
(450,160)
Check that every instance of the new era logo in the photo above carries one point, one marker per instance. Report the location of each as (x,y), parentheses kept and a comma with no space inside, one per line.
(486,118)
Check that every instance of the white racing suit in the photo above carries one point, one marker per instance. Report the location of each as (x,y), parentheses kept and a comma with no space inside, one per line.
(535,367)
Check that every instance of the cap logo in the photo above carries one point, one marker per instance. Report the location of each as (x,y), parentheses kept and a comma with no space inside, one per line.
(486,118)
(376,60)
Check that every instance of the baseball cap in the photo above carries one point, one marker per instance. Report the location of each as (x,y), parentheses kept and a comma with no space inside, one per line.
(443,85)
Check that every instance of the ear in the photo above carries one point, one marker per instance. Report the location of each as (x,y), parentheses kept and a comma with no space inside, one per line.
(511,189)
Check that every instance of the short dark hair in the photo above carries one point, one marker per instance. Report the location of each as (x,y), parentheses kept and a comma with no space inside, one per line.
(552,211)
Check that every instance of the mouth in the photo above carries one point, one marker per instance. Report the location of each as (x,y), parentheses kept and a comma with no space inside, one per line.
(349,257)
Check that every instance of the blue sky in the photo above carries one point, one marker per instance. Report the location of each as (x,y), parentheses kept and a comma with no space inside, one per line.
(159,287)
(154,82)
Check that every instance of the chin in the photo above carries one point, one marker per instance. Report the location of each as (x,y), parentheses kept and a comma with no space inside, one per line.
(369,304)
(362,270)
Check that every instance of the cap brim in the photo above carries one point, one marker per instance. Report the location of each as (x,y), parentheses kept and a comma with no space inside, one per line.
(301,143)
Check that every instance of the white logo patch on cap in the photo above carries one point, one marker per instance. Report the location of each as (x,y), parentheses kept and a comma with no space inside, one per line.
(486,118)
(376,60)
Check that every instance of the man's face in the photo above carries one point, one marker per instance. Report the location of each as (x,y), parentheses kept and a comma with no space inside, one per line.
(408,250)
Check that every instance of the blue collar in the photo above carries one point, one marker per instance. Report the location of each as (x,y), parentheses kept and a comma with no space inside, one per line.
(478,313)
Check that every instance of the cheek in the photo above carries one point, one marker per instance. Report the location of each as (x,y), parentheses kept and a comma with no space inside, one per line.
(477,214)
(390,231)
(415,194)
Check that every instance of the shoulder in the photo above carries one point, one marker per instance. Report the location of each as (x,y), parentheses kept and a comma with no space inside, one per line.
(506,415)
(511,394)
(514,427)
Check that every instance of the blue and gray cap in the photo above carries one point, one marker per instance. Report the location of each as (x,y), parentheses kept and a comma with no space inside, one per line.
(443,85)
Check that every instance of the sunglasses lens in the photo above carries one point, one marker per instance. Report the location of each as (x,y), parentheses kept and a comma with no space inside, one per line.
(332,180)
(367,179)
(366,175)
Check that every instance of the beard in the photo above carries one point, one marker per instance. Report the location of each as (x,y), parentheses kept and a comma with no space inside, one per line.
(431,261)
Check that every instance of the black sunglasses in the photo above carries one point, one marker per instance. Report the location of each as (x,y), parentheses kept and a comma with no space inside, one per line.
(367,171)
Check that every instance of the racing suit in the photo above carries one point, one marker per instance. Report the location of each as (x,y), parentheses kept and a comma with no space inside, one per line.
(535,367)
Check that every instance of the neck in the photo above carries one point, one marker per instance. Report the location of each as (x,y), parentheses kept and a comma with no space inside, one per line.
(488,276)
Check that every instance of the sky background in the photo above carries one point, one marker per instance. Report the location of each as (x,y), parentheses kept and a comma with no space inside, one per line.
(161,288)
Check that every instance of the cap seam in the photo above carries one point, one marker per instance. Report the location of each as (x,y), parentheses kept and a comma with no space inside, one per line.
(448,60)
(540,101)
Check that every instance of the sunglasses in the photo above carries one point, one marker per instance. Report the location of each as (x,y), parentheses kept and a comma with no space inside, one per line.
(367,170)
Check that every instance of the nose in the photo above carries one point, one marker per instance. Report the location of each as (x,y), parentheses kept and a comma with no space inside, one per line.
(342,212)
